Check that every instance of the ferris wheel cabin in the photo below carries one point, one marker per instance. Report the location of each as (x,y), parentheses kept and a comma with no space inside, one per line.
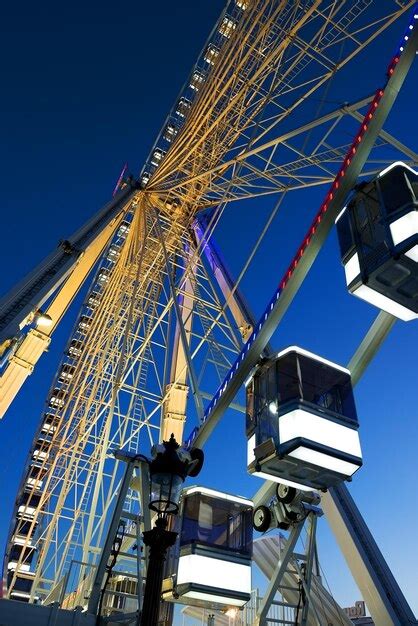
(210,566)
(378,236)
(301,421)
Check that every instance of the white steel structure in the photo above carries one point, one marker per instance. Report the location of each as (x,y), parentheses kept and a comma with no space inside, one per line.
(163,317)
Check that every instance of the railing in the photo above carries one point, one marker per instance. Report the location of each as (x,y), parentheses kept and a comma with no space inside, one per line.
(279,614)
(73,590)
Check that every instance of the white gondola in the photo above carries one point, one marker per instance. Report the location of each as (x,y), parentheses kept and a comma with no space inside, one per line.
(123,230)
(93,300)
(23,586)
(211,54)
(66,373)
(197,80)
(211,565)
(170,132)
(21,550)
(301,421)
(84,323)
(50,423)
(378,235)
(114,253)
(227,27)
(183,107)
(103,275)
(57,398)
(75,348)
(157,156)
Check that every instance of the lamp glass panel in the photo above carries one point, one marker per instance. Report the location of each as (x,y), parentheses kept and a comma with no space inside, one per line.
(165,492)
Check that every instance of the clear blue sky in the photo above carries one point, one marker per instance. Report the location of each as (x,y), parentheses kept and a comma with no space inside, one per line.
(86,87)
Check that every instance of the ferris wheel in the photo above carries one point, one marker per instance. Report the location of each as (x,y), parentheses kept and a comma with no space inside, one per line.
(165,339)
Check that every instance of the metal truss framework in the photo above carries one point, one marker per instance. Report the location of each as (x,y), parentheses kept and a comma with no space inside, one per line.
(114,383)
(159,320)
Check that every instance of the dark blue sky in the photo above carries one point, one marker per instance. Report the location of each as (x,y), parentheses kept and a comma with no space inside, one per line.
(86,87)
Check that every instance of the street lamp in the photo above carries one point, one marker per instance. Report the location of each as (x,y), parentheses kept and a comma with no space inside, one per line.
(168,469)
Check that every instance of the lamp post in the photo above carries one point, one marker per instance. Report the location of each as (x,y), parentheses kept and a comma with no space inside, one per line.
(168,469)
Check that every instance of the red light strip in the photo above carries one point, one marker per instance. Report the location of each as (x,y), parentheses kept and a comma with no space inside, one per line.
(335,185)
(121,175)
